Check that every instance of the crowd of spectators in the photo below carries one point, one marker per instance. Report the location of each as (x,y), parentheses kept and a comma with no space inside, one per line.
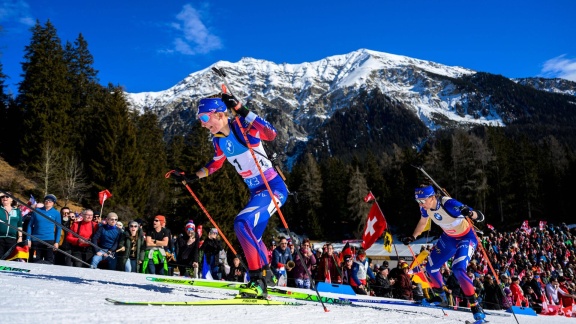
(529,267)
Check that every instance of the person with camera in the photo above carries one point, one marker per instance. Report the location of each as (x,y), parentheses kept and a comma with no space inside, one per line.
(282,262)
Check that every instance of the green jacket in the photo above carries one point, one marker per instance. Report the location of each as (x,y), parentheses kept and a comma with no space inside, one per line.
(14,218)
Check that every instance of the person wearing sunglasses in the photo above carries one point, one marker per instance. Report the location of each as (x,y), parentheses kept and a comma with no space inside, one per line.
(229,142)
(187,250)
(132,248)
(44,229)
(107,238)
(457,241)
(9,235)
(157,240)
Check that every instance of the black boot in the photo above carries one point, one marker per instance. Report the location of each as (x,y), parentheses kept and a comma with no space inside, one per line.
(269,276)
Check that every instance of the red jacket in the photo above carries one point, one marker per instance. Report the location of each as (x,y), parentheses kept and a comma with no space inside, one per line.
(84,229)
(518,295)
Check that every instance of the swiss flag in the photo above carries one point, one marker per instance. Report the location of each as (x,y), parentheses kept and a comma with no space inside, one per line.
(490,227)
(375,226)
(103,195)
(369,197)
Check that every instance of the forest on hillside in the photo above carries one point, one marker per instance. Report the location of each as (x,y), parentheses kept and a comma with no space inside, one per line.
(74,137)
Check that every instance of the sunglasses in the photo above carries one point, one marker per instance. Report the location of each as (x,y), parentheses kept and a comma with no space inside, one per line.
(134,226)
(421,201)
(156,220)
(4,197)
(113,219)
(205,117)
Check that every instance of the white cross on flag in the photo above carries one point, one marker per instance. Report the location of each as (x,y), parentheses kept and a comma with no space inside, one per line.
(375,226)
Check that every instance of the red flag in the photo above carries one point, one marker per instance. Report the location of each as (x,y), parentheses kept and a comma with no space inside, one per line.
(369,197)
(345,251)
(375,226)
(526,227)
(490,226)
(542,225)
(103,195)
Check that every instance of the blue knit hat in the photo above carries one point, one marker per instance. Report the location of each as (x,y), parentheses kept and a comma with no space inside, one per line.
(423,192)
(207,105)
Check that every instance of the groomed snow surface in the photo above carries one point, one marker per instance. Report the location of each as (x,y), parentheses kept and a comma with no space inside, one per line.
(58,294)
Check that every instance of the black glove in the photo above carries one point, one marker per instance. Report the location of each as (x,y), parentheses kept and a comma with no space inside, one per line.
(408,239)
(465,211)
(480,217)
(181,176)
(234,104)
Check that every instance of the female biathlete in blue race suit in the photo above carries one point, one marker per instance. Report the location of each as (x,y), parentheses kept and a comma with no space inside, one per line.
(458,240)
(229,143)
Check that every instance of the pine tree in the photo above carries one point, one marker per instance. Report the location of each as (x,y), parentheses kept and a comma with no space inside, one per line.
(335,188)
(44,95)
(153,152)
(113,156)
(357,209)
(310,196)
(84,82)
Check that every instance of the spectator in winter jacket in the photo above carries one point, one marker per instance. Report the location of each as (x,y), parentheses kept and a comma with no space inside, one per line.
(328,269)
(300,274)
(280,257)
(492,294)
(533,301)
(67,221)
(107,238)
(81,247)
(403,286)
(45,230)
(237,271)
(9,235)
(187,250)
(517,295)
(211,248)
(383,285)
(361,271)
(131,248)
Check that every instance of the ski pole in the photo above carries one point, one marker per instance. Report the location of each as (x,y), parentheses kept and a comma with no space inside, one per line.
(475,235)
(54,222)
(46,243)
(222,74)
(209,217)
(8,252)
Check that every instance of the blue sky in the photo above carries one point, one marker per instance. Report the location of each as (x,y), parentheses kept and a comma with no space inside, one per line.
(150,45)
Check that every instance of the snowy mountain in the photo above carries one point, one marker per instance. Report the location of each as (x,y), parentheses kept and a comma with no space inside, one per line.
(58,294)
(300,98)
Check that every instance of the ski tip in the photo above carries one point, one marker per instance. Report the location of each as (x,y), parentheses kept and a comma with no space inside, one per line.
(113,301)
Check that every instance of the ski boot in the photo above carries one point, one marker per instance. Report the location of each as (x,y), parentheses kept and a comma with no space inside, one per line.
(255,288)
(476,309)
(269,276)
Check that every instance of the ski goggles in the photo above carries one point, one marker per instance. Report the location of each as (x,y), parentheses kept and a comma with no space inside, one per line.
(205,117)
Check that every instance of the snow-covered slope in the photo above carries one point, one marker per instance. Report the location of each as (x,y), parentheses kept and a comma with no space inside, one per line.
(56,294)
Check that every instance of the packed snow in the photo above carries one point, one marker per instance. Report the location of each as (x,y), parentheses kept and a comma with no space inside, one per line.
(59,294)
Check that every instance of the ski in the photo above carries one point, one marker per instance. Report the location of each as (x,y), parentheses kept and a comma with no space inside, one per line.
(272,291)
(215,302)
(417,304)
(6,268)
(477,322)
